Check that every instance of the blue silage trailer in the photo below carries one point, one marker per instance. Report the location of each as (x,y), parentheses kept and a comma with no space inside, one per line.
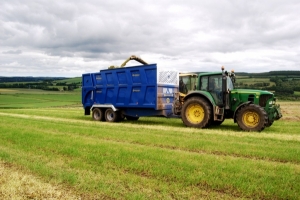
(131,92)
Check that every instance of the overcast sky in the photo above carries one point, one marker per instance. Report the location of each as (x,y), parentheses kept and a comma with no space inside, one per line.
(69,38)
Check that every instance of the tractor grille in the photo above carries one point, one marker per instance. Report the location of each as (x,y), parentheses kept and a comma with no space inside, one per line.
(263,99)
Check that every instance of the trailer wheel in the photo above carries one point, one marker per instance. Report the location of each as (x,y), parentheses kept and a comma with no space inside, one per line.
(252,118)
(98,114)
(112,116)
(196,113)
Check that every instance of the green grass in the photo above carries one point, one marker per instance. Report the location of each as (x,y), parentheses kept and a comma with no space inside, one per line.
(297,93)
(70,80)
(26,98)
(153,157)
(252,81)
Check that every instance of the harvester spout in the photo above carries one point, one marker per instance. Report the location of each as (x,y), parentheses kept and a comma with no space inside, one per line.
(133,57)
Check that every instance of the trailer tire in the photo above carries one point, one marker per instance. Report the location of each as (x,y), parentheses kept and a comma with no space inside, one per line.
(112,116)
(196,112)
(252,117)
(98,114)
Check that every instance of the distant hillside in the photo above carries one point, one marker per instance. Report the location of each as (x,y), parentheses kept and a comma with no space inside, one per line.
(43,83)
(285,84)
(4,79)
(69,80)
(271,74)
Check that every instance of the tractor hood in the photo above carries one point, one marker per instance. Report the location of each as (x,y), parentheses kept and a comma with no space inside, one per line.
(250,91)
(259,97)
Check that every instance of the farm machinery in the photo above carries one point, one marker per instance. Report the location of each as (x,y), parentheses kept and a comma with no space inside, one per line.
(200,99)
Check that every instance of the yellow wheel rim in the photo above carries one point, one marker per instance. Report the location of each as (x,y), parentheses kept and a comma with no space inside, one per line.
(195,113)
(251,119)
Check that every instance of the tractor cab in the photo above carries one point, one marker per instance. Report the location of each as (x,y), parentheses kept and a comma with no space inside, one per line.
(218,84)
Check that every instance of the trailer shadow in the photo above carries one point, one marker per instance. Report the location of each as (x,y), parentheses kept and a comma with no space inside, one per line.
(227,125)
(157,121)
(177,122)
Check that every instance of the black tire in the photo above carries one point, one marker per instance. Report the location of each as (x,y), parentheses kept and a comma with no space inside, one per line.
(131,118)
(196,112)
(252,118)
(98,114)
(112,116)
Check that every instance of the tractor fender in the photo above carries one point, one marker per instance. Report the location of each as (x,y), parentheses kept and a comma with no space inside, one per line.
(241,105)
(205,95)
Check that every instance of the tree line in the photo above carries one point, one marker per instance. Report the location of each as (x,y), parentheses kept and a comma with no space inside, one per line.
(44,85)
(283,87)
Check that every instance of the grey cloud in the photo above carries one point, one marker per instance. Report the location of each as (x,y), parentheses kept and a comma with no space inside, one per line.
(12,52)
(110,31)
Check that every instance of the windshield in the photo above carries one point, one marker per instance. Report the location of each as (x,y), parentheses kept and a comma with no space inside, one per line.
(229,84)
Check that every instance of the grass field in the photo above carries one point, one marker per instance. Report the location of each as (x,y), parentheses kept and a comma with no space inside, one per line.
(252,81)
(51,152)
(70,80)
(31,98)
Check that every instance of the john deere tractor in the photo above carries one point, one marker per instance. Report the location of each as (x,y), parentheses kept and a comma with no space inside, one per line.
(213,99)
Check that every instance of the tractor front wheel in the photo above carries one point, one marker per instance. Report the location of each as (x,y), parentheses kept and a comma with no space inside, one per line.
(196,112)
(252,118)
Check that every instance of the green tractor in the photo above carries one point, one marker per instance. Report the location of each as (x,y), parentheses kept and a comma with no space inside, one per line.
(209,98)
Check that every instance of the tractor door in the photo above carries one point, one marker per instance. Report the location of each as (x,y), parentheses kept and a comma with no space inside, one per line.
(213,84)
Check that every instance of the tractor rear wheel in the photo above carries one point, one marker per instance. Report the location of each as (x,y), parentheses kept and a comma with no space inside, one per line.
(112,116)
(196,112)
(252,118)
(98,114)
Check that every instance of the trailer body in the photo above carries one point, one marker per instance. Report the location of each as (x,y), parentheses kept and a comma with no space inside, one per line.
(144,90)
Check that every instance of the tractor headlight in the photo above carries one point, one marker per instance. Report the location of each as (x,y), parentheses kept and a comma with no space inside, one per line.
(271,102)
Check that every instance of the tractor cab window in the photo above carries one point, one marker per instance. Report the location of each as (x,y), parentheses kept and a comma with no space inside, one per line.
(213,84)
(204,83)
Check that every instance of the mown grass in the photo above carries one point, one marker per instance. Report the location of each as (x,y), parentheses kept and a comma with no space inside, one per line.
(16,184)
(25,98)
(153,157)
